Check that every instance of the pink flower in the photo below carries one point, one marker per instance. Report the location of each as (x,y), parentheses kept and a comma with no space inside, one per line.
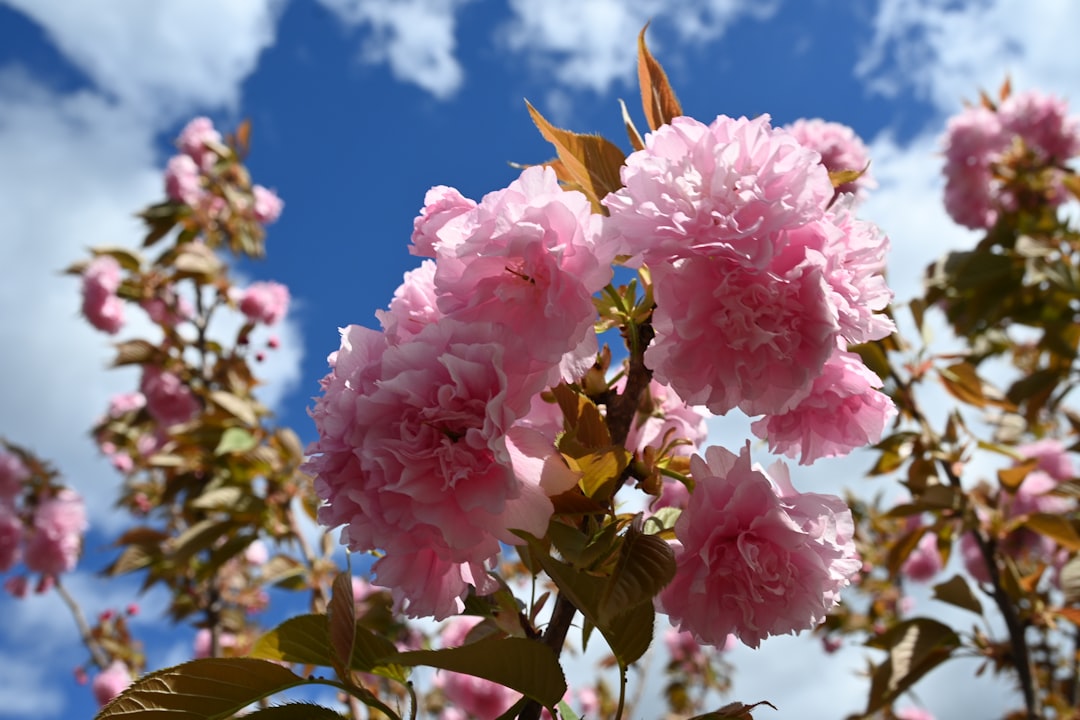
(196,140)
(840,148)
(123,403)
(168,399)
(468,696)
(183,181)
(16,586)
(168,308)
(445,211)
(267,206)
(732,188)
(1043,123)
(11,533)
(843,411)
(256,553)
(755,558)
(13,473)
(55,540)
(912,713)
(924,562)
(265,302)
(100,304)
(973,140)
(1053,458)
(684,649)
(413,458)
(728,335)
(111,681)
(456,630)
(203,641)
(414,305)
(974,561)
(528,258)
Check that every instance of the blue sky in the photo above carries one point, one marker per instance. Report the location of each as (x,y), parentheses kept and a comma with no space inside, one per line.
(358,107)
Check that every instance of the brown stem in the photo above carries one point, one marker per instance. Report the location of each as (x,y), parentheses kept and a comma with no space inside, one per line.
(620,414)
(96,651)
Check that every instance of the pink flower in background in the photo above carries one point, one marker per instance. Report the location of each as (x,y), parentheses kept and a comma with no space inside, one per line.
(167,308)
(183,181)
(843,411)
(1044,124)
(1053,458)
(267,206)
(755,559)
(123,403)
(111,681)
(665,413)
(13,473)
(840,148)
(912,713)
(924,562)
(974,561)
(168,399)
(728,335)
(265,302)
(530,262)
(413,459)
(973,140)
(468,696)
(414,305)
(444,219)
(256,553)
(732,188)
(195,141)
(54,541)
(11,533)
(101,306)
(201,646)
(673,493)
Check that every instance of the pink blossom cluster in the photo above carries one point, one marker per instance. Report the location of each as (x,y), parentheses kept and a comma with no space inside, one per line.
(45,531)
(187,175)
(754,557)
(977,141)
(840,149)
(265,302)
(168,398)
(421,453)
(101,305)
(761,281)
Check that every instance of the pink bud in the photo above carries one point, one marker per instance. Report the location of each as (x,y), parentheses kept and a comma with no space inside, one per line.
(105,616)
(16,586)
(273,343)
(80,675)
(132,609)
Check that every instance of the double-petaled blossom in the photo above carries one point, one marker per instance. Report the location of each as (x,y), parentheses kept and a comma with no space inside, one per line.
(101,305)
(184,180)
(757,281)
(844,410)
(754,557)
(978,141)
(197,139)
(924,562)
(266,205)
(265,302)
(527,258)
(418,457)
(54,540)
(13,473)
(168,399)
(1052,457)
(840,149)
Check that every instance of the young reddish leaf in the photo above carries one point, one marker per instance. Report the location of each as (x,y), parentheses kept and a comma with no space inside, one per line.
(657,98)
(1070,581)
(591,161)
(1010,478)
(733,711)
(134,352)
(963,383)
(239,408)
(631,130)
(207,689)
(527,666)
(1055,527)
(341,624)
(915,647)
(957,592)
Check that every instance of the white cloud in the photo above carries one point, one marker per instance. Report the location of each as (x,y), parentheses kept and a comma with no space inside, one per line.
(945,51)
(160,58)
(588,43)
(414,37)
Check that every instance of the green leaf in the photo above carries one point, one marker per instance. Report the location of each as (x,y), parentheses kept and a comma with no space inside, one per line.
(206,689)
(221,498)
(915,647)
(235,440)
(199,537)
(526,666)
(957,592)
(295,711)
(646,565)
(566,712)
